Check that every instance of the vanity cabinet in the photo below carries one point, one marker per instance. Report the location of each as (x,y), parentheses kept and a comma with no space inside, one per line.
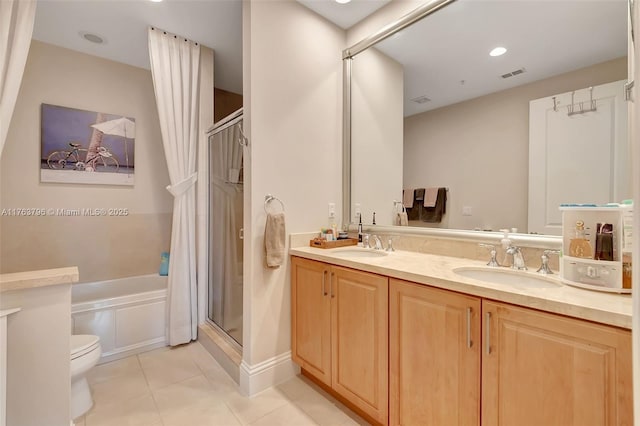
(546,369)
(434,356)
(340,332)
(455,359)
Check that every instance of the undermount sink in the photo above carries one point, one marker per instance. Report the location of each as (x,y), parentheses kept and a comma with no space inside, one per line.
(507,276)
(354,253)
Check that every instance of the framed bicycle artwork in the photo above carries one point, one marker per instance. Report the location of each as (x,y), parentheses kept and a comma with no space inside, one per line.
(87,147)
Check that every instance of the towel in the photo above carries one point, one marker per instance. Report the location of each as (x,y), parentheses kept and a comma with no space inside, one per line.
(434,214)
(430,197)
(407,197)
(402,219)
(413,212)
(274,239)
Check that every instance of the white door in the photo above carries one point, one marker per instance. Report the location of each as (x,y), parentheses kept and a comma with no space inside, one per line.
(577,158)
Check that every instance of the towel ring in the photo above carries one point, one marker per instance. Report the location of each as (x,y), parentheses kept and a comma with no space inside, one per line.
(268,199)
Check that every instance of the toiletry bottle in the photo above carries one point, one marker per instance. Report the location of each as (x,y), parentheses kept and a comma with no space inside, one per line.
(360,231)
(626,270)
(579,246)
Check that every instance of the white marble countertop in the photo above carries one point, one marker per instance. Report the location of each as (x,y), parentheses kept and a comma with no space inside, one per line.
(41,278)
(437,271)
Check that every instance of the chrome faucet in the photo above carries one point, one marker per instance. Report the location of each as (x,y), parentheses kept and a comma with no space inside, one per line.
(544,268)
(493,262)
(377,242)
(518,259)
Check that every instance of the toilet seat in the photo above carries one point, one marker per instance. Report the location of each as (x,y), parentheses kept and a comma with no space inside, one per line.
(81,344)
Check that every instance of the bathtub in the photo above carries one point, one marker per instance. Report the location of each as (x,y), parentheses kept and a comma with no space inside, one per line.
(129,314)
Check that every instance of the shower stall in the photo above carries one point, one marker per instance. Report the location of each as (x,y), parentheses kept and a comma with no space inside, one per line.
(224,305)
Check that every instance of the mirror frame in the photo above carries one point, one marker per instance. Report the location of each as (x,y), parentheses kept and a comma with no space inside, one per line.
(531,240)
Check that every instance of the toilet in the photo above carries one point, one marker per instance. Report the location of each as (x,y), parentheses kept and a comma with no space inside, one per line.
(85,354)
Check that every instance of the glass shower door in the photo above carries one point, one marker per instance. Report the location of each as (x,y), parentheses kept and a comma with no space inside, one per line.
(225,228)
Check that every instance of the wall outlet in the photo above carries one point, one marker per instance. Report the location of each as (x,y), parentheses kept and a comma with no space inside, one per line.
(466,211)
(332,210)
(357,211)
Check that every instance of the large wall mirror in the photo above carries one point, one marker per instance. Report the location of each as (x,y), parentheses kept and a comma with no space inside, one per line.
(427,106)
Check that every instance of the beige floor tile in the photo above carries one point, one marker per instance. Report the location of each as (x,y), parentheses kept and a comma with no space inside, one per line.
(110,370)
(139,411)
(298,386)
(202,357)
(324,411)
(121,388)
(251,409)
(202,413)
(221,383)
(184,394)
(288,415)
(167,367)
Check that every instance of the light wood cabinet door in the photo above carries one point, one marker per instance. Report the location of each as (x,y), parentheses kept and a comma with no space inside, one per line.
(545,369)
(434,356)
(311,317)
(359,325)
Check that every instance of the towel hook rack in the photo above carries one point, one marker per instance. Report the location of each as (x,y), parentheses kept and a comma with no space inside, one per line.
(268,199)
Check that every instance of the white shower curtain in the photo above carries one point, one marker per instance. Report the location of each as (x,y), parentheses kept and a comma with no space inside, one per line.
(16,28)
(175,64)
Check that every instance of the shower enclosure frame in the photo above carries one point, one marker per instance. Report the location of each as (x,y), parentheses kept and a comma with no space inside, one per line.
(227,122)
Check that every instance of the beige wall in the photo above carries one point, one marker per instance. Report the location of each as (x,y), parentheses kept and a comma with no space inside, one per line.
(479,149)
(376,135)
(102,247)
(293,114)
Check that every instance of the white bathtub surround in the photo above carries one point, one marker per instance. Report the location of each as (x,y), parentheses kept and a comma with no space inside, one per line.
(38,394)
(128,314)
(175,70)
(16,20)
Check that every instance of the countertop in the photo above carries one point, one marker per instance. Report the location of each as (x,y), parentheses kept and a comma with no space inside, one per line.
(437,271)
(41,278)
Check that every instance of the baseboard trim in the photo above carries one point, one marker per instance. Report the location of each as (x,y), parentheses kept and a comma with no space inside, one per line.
(268,373)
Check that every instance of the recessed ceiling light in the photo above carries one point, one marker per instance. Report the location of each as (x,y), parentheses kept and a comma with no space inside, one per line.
(343,1)
(156,1)
(93,38)
(498,51)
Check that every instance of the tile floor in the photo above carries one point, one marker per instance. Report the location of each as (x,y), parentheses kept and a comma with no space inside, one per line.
(186,386)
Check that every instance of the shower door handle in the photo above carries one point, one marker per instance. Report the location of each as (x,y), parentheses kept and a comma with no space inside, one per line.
(241,234)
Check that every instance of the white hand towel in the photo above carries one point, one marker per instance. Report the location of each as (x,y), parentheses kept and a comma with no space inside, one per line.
(274,239)
(430,197)
(407,198)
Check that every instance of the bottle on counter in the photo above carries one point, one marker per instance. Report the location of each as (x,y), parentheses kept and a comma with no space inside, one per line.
(579,246)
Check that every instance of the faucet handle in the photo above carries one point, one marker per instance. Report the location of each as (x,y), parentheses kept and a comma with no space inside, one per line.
(390,246)
(492,252)
(544,267)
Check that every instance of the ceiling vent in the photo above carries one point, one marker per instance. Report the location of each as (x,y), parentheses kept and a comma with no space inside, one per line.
(513,73)
(421,100)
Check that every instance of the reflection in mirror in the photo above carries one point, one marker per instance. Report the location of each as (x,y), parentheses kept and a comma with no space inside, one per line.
(431,108)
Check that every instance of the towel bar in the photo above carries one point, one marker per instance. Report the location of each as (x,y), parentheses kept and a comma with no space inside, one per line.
(269,198)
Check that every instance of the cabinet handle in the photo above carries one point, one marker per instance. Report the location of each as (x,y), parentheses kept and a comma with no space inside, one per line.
(487,324)
(324,290)
(469,342)
(331,285)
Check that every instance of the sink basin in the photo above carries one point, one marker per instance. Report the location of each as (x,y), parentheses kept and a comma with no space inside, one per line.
(354,253)
(508,277)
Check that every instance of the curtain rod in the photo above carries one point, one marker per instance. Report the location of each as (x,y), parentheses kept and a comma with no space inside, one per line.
(174,35)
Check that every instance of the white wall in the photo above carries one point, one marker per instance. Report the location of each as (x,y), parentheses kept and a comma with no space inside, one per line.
(479,149)
(293,114)
(101,247)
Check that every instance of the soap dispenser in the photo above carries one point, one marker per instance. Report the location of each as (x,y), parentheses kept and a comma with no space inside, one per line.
(579,246)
